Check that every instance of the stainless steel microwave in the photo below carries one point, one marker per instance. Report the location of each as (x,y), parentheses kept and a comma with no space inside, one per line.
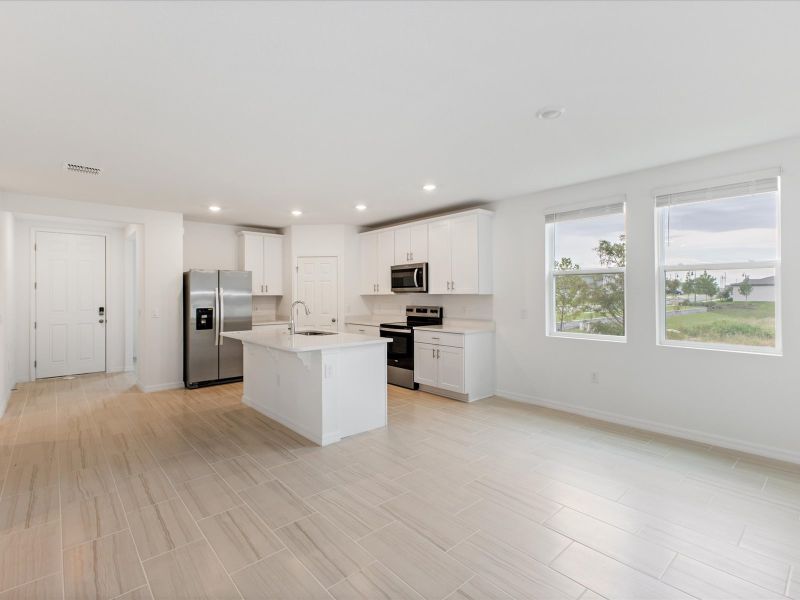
(410,278)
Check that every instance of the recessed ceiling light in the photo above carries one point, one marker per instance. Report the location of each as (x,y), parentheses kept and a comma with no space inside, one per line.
(361,207)
(214,208)
(549,113)
(297,213)
(429,187)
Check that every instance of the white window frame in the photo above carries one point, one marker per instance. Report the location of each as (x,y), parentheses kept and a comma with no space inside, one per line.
(663,269)
(551,272)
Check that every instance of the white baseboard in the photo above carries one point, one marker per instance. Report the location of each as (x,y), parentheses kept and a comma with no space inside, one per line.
(680,432)
(159,387)
(115,369)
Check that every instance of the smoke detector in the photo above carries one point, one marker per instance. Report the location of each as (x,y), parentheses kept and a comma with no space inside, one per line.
(76,168)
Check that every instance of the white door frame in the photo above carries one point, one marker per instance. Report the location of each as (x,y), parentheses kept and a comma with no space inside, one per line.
(32,312)
(295,277)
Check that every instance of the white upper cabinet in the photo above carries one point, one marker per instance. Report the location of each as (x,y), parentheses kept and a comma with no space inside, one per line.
(377,258)
(460,254)
(262,255)
(411,244)
(458,250)
(439,257)
(369,263)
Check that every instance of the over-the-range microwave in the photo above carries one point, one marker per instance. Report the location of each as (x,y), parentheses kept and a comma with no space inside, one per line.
(410,278)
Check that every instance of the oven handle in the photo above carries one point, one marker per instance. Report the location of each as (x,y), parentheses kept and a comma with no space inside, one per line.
(395,330)
(416,283)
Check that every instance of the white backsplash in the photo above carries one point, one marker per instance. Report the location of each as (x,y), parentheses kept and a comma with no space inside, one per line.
(455,307)
(264,308)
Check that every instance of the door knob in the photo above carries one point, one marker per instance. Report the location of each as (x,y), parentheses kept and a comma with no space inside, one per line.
(333,320)
(101,321)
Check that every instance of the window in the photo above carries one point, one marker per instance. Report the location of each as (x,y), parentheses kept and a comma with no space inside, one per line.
(586,272)
(719,266)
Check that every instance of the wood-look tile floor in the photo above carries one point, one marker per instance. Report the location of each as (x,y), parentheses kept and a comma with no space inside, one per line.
(110,493)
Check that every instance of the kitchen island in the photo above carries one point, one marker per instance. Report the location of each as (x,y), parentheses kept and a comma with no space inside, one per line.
(324,387)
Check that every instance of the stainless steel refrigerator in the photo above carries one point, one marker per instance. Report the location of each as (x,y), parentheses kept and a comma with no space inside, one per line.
(214,302)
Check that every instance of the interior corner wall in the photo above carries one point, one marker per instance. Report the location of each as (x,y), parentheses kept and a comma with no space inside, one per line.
(738,400)
(161,341)
(7,379)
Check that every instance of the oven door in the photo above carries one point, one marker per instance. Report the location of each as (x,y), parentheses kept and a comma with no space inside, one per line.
(400,351)
(410,278)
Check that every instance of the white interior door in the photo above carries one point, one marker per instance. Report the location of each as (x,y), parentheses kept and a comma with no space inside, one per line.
(317,286)
(70,304)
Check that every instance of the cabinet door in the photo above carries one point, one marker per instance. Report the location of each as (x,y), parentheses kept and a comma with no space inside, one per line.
(464,242)
(402,246)
(425,364)
(451,368)
(253,252)
(385,261)
(273,266)
(418,239)
(369,263)
(439,257)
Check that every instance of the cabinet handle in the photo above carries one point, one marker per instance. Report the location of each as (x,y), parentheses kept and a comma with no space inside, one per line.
(266,288)
(453,286)
(437,353)
(412,255)
(448,285)
(433,352)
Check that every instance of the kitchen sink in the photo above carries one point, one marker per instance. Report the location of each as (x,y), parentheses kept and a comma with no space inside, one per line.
(315,333)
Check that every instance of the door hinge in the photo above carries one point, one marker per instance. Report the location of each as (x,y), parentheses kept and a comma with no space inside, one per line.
(34,364)
(34,324)
(35,285)
(35,247)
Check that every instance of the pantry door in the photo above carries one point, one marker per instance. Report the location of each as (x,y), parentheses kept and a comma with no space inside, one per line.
(70,304)
(317,286)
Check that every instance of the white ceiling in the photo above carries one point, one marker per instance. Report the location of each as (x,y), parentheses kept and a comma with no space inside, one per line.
(267,107)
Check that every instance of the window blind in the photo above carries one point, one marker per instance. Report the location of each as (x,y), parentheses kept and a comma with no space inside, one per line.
(554,216)
(731,190)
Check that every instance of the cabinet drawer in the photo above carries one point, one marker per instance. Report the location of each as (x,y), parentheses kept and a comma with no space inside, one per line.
(456,340)
(372,330)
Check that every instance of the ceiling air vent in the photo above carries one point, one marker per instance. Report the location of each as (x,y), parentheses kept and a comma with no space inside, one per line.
(75,168)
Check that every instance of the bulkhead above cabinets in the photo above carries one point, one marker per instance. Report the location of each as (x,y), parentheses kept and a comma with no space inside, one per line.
(262,254)
(457,248)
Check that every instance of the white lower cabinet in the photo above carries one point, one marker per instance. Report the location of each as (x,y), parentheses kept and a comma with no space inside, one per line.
(455,365)
(371,330)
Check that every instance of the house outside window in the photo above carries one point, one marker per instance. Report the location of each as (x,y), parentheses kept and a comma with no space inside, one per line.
(719,265)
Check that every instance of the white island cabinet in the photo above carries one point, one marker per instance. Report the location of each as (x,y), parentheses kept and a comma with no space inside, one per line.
(324,387)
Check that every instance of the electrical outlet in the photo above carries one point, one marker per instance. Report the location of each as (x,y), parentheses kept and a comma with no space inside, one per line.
(595,377)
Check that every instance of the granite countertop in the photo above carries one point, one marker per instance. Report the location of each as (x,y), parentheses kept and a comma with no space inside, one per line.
(281,340)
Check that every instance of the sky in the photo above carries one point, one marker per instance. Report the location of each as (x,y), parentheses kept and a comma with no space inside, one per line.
(737,229)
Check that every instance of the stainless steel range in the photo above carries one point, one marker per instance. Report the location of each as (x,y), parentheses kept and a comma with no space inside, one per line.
(400,351)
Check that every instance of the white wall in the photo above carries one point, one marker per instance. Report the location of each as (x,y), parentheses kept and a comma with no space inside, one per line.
(340,241)
(455,306)
(7,379)
(23,287)
(745,401)
(160,328)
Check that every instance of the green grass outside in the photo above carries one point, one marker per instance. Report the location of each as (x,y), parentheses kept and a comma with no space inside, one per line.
(739,323)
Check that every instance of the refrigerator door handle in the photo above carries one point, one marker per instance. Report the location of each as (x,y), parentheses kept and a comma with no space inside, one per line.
(216,316)
(221,314)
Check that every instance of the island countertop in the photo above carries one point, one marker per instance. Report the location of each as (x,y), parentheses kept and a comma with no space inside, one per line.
(281,340)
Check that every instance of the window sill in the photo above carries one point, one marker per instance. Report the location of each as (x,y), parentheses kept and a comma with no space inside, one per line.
(592,337)
(752,350)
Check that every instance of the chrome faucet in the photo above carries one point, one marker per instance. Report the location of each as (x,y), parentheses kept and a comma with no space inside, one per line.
(291,316)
